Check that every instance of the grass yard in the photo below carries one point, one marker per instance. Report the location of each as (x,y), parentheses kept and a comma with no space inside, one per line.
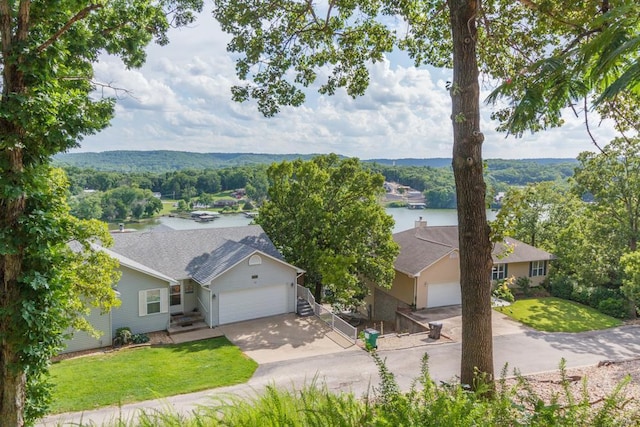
(558,315)
(143,373)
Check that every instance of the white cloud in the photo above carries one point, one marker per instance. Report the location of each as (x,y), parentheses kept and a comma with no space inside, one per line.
(180,100)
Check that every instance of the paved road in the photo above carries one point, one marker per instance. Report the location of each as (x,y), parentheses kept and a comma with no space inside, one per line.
(353,370)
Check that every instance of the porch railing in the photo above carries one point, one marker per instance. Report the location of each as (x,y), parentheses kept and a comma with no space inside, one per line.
(328,317)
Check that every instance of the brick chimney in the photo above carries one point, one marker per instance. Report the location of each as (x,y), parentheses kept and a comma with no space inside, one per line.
(420,223)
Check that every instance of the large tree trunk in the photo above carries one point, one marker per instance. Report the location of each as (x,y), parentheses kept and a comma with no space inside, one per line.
(12,388)
(475,246)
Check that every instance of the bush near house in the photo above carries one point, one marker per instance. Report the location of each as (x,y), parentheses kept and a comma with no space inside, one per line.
(606,300)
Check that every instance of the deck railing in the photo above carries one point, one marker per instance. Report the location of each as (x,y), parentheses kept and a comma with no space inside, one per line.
(328,317)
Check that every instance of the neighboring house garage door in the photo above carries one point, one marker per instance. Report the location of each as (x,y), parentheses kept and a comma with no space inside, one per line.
(441,294)
(236,306)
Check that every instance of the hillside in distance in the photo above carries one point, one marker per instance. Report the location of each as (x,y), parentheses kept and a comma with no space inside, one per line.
(160,161)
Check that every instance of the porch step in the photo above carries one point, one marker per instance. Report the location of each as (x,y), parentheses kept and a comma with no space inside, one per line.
(304,309)
(186,322)
(180,329)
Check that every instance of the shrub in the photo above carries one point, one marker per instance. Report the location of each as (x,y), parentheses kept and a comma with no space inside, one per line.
(581,294)
(502,291)
(139,338)
(524,285)
(561,287)
(614,307)
(123,336)
(600,293)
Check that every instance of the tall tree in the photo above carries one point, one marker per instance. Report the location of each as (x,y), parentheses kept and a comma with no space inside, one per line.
(47,106)
(613,178)
(283,44)
(325,216)
(278,37)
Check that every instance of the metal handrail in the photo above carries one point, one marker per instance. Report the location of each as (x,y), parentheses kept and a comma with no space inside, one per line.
(328,317)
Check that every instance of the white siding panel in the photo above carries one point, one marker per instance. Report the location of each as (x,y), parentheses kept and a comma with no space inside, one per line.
(236,306)
(441,294)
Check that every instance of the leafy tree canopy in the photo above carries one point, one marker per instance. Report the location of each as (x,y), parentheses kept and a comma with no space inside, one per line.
(325,217)
(47,105)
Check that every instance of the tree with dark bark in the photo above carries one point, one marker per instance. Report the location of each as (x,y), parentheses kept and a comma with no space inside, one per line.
(284,43)
(47,106)
(278,37)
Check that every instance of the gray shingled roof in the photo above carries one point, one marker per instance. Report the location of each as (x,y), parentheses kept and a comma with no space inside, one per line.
(123,260)
(422,246)
(182,254)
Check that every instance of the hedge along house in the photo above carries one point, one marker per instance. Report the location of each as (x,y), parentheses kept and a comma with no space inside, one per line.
(428,270)
(217,275)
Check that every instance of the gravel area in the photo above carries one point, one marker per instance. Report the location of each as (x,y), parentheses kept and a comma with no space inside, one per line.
(600,381)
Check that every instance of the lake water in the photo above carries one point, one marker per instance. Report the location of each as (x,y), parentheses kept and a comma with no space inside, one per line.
(405,219)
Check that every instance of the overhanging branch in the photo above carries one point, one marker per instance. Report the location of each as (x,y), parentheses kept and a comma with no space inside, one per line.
(77,17)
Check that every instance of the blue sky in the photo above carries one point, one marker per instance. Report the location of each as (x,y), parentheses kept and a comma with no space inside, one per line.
(180,100)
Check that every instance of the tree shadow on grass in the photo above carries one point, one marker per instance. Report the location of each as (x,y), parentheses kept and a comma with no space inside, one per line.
(552,315)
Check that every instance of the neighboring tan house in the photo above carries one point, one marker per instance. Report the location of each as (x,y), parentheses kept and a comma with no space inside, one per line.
(428,270)
(219,275)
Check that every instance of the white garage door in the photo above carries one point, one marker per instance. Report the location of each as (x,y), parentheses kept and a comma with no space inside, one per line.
(441,294)
(249,304)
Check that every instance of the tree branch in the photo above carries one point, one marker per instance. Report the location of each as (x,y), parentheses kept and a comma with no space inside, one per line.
(77,17)
(586,124)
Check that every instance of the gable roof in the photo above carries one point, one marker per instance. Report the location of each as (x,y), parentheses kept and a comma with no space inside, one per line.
(123,260)
(201,253)
(422,246)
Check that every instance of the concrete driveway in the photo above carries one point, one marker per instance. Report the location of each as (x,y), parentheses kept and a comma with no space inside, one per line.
(451,318)
(285,337)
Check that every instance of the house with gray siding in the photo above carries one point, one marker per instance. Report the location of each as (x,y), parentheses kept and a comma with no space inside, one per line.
(219,275)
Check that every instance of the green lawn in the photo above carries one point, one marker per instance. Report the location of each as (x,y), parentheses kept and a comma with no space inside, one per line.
(143,373)
(558,315)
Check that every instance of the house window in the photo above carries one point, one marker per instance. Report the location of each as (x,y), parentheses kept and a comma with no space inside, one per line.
(153,301)
(537,268)
(499,272)
(174,297)
(255,260)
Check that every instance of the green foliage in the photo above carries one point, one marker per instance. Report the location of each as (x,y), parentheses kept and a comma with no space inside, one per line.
(524,285)
(139,338)
(613,178)
(630,264)
(571,57)
(324,216)
(502,290)
(48,105)
(614,307)
(123,336)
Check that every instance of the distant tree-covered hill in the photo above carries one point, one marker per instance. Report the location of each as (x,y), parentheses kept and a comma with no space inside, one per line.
(160,161)
(167,161)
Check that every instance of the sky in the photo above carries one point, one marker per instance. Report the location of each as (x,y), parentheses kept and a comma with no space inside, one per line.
(181,100)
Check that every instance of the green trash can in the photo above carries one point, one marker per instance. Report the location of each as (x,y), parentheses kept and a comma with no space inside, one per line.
(371,337)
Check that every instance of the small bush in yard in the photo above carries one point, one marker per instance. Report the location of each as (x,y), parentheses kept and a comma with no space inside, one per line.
(561,287)
(502,291)
(524,285)
(614,307)
(123,336)
(139,338)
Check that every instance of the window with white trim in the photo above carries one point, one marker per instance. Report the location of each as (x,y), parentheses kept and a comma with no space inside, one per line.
(499,272)
(537,268)
(153,301)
